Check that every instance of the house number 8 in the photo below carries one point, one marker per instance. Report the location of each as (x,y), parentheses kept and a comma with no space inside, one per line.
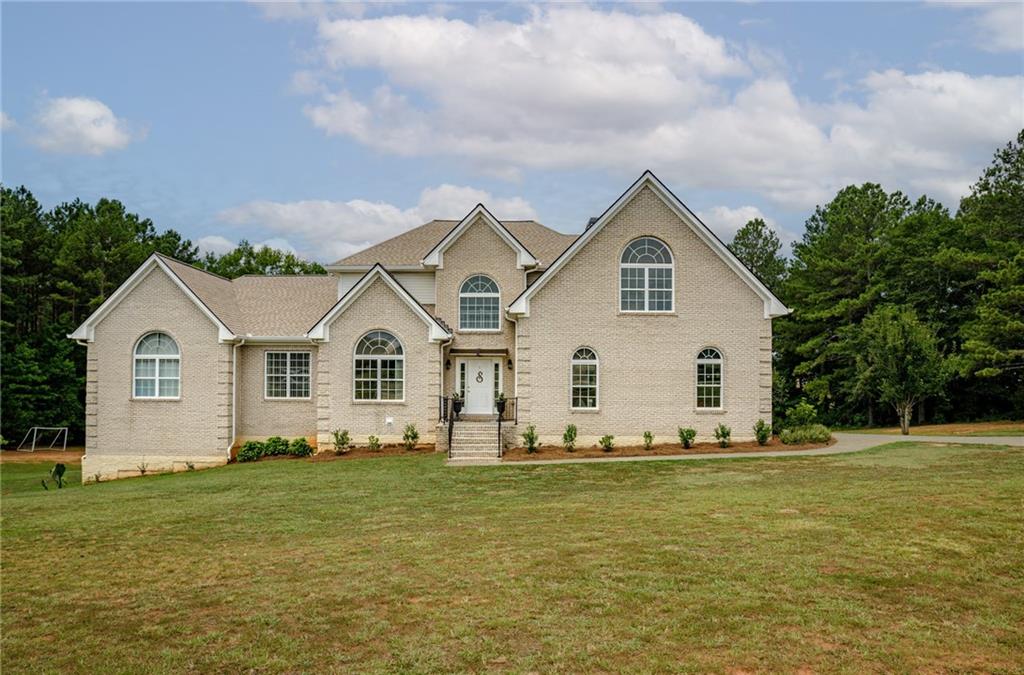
(479,376)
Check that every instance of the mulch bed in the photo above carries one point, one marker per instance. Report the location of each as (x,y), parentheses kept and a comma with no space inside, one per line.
(389,450)
(558,452)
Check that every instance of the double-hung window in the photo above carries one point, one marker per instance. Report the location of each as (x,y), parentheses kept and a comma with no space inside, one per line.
(379,368)
(584,379)
(709,379)
(157,367)
(287,374)
(479,304)
(646,277)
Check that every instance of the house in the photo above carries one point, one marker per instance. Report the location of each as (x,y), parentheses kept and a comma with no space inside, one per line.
(644,322)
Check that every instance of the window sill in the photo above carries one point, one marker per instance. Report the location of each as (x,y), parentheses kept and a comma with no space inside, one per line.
(363,402)
(584,411)
(710,411)
(287,399)
(155,399)
(672,313)
(491,331)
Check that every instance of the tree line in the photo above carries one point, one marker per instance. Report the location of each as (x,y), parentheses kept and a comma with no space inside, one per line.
(901,308)
(58,266)
(898,305)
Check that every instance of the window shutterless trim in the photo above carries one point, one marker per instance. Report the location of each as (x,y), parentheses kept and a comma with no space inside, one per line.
(287,375)
(596,362)
(720,361)
(156,378)
(377,379)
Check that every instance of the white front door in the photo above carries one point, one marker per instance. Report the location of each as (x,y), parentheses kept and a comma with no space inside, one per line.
(479,383)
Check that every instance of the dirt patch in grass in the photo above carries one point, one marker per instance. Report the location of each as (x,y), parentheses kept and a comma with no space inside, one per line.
(73,455)
(389,450)
(1007,428)
(558,452)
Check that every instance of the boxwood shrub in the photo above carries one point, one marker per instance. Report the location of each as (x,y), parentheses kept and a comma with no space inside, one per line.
(250,451)
(812,433)
(275,445)
(300,447)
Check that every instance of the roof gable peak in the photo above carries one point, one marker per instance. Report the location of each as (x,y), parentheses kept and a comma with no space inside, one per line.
(435,257)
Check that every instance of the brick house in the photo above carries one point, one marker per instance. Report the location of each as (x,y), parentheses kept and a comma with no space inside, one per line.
(644,322)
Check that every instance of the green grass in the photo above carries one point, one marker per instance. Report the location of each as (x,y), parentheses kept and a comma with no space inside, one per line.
(907,557)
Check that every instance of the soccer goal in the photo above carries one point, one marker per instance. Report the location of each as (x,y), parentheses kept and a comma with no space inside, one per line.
(58,433)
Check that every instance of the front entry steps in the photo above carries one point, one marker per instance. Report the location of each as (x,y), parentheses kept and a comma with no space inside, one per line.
(475,441)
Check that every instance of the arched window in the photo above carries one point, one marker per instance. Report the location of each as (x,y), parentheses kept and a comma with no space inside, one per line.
(584,379)
(645,277)
(709,379)
(379,368)
(157,367)
(479,304)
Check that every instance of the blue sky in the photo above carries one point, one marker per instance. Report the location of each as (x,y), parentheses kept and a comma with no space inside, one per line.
(327,127)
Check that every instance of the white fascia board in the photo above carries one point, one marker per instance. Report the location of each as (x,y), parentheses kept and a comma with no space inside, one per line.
(418,267)
(773,307)
(435,258)
(321,330)
(87,331)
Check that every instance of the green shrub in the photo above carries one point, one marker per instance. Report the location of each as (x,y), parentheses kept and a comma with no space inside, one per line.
(530,439)
(607,442)
(275,445)
(686,436)
(341,441)
(812,433)
(762,432)
(723,433)
(648,440)
(803,414)
(374,443)
(569,438)
(410,436)
(300,447)
(250,451)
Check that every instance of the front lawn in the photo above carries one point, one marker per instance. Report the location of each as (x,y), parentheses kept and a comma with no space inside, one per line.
(908,557)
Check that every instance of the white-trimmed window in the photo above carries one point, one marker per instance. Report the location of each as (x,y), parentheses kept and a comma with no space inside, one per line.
(584,379)
(709,379)
(479,304)
(157,367)
(379,368)
(287,374)
(645,277)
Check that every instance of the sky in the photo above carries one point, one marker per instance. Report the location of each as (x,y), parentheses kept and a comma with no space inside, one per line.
(323,128)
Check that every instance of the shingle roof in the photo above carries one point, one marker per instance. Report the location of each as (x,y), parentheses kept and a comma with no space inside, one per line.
(410,247)
(261,305)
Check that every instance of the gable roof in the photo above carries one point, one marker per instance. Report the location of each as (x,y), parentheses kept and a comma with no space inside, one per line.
(773,307)
(249,306)
(406,250)
(321,329)
(435,257)
(212,289)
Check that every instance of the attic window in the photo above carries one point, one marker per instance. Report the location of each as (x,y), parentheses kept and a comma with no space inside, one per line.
(646,277)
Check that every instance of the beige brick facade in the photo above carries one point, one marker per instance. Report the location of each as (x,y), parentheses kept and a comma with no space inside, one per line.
(647,361)
(260,417)
(479,250)
(124,433)
(378,308)
(647,368)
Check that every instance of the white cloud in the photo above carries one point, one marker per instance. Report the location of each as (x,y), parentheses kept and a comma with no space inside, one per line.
(998,26)
(215,244)
(574,87)
(80,126)
(6,122)
(328,230)
(725,221)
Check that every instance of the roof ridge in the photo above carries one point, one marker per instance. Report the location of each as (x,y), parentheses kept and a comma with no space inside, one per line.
(198,269)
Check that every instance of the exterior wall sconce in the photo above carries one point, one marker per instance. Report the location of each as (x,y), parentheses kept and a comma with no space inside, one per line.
(510,364)
(447,364)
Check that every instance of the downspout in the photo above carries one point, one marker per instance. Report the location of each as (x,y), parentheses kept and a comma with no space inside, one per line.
(234,394)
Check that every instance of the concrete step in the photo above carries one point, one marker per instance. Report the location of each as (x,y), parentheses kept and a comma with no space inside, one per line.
(469,454)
